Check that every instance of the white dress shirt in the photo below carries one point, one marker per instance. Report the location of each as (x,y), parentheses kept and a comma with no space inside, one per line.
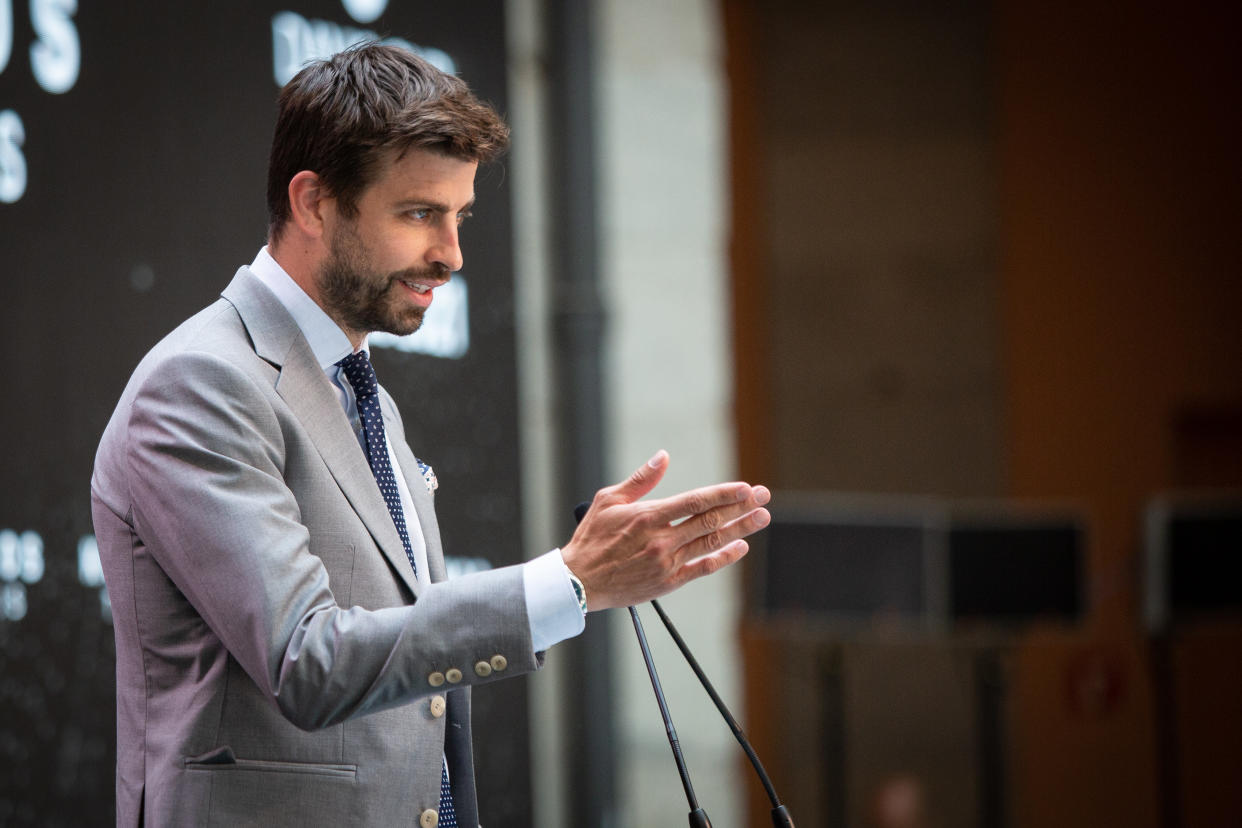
(551,603)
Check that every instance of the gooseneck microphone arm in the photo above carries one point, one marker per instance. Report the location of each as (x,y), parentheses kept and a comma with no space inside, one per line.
(698,817)
(781,817)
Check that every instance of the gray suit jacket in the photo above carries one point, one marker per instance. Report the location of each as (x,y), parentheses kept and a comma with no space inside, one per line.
(277,662)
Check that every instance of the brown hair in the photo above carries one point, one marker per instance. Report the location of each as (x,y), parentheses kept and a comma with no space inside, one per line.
(339,116)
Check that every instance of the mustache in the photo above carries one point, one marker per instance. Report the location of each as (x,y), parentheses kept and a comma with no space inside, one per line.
(437,272)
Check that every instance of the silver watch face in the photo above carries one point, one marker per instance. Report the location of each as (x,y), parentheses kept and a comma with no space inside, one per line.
(580,591)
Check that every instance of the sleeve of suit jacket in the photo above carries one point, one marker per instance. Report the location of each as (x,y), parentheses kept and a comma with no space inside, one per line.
(212,460)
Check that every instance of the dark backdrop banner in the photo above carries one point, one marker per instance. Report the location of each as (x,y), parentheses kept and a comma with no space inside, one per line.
(133,149)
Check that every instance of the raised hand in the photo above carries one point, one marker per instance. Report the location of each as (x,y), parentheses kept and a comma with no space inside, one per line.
(627,550)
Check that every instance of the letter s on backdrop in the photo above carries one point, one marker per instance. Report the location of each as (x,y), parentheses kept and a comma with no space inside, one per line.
(56,56)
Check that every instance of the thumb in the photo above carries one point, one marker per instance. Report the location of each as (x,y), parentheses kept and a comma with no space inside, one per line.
(645,478)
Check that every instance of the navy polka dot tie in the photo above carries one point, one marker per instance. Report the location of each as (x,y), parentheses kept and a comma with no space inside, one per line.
(358,370)
(361,376)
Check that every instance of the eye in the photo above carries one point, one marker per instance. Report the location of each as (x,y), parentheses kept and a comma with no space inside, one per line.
(462,216)
(419,213)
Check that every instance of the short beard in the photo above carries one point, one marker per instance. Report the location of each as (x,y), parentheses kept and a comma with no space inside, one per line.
(359,298)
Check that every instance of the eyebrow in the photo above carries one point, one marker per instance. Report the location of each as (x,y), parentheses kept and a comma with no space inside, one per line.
(438,206)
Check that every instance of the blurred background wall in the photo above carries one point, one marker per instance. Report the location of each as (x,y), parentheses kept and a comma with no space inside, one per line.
(990,250)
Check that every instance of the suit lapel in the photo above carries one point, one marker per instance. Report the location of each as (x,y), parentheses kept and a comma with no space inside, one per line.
(311,397)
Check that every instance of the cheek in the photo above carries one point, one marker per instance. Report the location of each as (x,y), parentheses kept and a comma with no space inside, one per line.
(399,251)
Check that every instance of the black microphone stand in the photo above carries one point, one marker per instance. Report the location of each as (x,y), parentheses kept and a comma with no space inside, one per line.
(781,818)
(698,817)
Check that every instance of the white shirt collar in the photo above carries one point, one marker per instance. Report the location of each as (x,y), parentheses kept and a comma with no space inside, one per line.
(328,342)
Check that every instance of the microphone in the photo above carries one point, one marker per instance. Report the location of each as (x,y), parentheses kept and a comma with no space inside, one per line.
(781,818)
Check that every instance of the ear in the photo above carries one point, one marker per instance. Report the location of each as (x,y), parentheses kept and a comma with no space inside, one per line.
(308,201)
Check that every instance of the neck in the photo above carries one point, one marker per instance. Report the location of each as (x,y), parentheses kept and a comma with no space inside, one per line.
(302,264)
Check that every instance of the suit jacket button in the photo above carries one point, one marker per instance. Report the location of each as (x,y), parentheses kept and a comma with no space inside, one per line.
(437,706)
(499,663)
(453,675)
(429,818)
(483,669)
(436,678)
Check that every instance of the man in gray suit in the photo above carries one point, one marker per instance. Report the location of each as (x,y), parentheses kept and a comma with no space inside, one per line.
(289,651)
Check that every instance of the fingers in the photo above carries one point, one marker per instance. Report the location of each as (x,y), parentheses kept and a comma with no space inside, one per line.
(710,542)
(713,519)
(698,501)
(707,564)
(644,479)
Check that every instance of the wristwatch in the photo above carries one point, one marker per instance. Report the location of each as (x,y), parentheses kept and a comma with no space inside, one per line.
(579,590)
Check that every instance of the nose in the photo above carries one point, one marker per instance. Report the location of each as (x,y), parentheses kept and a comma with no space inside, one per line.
(445,249)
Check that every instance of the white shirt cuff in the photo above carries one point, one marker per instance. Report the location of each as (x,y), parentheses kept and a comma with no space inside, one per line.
(551,603)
